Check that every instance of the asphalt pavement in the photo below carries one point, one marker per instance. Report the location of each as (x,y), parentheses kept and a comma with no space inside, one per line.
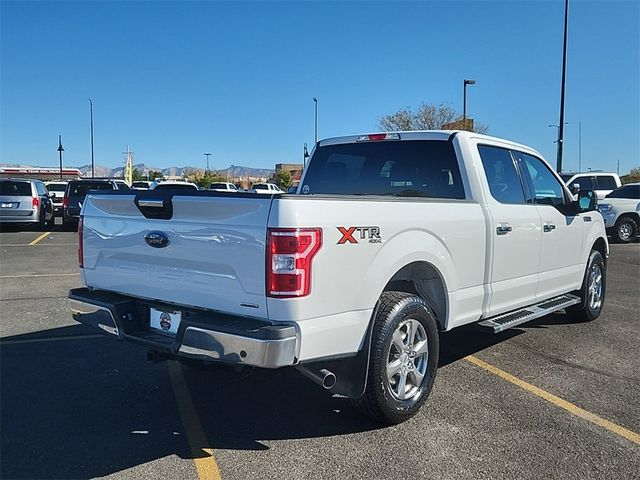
(550,399)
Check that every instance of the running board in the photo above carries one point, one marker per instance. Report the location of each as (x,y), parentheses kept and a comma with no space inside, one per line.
(517,317)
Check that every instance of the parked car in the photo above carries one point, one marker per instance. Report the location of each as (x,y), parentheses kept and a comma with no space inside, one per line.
(75,194)
(621,212)
(223,187)
(266,188)
(141,185)
(122,185)
(57,189)
(603,183)
(173,185)
(394,238)
(25,201)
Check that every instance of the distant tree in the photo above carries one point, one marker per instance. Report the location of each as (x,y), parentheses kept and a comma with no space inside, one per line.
(136,175)
(632,177)
(282,178)
(426,117)
(204,179)
(154,175)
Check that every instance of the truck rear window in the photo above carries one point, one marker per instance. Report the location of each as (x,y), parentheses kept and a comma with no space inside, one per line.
(15,189)
(82,188)
(408,168)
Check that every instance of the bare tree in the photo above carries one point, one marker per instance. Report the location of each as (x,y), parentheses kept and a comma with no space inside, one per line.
(427,117)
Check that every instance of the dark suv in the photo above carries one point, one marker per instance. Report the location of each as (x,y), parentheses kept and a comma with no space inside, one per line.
(75,194)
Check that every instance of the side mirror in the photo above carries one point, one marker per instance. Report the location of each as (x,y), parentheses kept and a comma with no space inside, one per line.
(575,188)
(587,201)
(51,195)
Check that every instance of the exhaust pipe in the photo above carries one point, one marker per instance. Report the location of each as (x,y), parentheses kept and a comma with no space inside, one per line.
(322,377)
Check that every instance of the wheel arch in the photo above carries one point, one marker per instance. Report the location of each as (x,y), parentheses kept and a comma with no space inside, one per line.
(423,279)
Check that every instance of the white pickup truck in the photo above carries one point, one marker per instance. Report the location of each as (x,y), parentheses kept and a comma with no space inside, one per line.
(390,239)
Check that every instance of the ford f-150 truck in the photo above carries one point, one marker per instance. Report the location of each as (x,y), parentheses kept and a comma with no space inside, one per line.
(390,239)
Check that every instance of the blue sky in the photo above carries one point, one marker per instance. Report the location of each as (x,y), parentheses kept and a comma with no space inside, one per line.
(177,79)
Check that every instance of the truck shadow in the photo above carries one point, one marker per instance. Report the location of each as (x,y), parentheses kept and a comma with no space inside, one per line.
(88,406)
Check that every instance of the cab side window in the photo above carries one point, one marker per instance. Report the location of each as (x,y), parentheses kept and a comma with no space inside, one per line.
(545,187)
(502,176)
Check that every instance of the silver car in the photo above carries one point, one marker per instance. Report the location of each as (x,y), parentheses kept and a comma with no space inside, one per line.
(25,201)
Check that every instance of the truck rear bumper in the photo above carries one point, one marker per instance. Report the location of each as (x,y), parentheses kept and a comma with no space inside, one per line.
(201,335)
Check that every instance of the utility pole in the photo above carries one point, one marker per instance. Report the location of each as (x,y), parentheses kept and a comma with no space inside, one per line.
(579,146)
(618,170)
(60,150)
(315,123)
(562,90)
(92,162)
(207,155)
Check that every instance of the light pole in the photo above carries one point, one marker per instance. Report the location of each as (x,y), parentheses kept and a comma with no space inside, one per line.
(562,88)
(207,155)
(91,123)
(315,123)
(580,146)
(464,102)
(558,127)
(60,150)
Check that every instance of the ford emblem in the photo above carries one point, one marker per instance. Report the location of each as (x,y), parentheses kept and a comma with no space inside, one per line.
(157,239)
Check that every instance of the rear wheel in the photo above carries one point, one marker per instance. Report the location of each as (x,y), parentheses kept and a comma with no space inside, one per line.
(42,220)
(625,229)
(592,291)
(404,358)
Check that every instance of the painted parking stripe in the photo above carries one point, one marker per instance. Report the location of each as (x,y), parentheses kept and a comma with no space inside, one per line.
(41,237)
(206,467)
(557,401)
(40,275)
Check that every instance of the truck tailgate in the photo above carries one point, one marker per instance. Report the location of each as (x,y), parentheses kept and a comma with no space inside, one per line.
(214,259)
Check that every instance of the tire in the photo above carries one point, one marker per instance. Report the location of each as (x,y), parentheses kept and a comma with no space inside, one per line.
(52,223)
(592,292)
(625,229)
(42,220)
(400,320)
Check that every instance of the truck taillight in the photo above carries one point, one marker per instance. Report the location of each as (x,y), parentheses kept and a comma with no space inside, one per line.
(65,201)
(80,244)
(35,202)
(290,252)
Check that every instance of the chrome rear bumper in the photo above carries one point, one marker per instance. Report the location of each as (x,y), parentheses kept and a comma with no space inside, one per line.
(202,335)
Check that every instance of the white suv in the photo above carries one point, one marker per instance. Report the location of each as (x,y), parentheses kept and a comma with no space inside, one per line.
(621,212)
(602,183)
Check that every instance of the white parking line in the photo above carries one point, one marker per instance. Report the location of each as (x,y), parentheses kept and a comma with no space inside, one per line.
(40,275)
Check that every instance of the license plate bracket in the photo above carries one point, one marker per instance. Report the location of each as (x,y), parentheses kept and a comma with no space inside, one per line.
(165,322)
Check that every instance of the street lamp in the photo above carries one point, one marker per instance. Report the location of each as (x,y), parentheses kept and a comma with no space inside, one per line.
(464,102)
(91,122)
(60,150)
(557,126)
(315,109)
(562,89)
(207,155)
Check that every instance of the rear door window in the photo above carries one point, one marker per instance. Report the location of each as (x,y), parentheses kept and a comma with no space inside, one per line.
(504,182)
(407,168)
(15,189)
(606,182)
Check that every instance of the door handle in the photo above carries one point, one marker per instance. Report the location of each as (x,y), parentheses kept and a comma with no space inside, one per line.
(503,229)
(549,226)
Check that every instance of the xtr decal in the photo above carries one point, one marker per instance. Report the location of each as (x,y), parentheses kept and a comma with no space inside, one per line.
(372,234)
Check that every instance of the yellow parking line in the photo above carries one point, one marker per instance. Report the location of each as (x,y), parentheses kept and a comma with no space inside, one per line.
(557,401)
(41,237)
(206,467)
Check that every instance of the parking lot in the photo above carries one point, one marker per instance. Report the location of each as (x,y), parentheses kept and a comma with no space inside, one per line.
(551,399)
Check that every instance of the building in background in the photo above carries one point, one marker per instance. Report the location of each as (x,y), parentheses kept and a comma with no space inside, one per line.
(294,169)
(40,173)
